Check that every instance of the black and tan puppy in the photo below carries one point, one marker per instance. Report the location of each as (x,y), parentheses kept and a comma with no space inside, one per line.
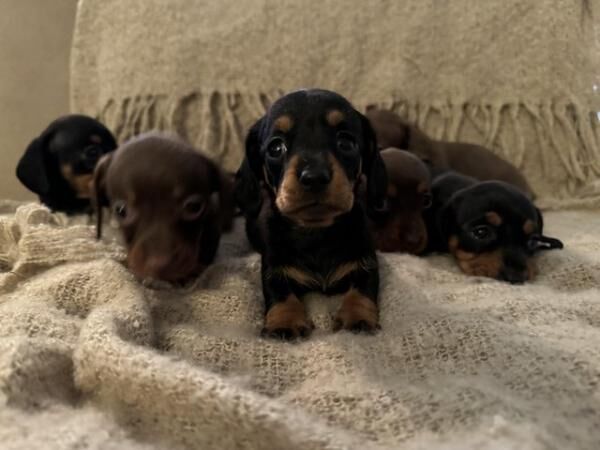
(296,187)
(171,202)
(401,227)
(468,159)
(58,165)
(491,228)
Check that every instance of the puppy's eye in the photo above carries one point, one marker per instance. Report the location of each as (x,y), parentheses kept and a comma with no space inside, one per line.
(120,209)
(276,148)
(345,142)
(193,208)
(483,233)
(92,152)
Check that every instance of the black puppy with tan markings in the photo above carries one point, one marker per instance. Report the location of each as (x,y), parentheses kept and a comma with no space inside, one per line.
(491,228)
(296,188)
(59,163)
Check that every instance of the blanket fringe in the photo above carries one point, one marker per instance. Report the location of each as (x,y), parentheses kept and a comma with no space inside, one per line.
(536,136)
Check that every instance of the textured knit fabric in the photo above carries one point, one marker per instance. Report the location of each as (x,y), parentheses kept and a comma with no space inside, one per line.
(90,358)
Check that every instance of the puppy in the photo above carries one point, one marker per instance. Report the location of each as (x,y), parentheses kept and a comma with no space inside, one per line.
(296,188)
(162,193)
(492,228)
(58,165)
(401,228)
(468,159)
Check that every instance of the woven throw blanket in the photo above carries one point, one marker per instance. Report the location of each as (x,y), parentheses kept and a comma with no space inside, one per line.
(90,358)
(514,75)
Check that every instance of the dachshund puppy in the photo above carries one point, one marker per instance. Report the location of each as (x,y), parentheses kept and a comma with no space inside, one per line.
(468,159)
(401,228)
(162,193)
(58,165)
(491,228)
(297,189)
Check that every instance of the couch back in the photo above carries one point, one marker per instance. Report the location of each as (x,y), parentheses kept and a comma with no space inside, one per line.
(513,75)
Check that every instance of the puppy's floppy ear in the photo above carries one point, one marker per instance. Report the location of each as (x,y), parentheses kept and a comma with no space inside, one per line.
(249,177)
(373,168)
(540,242)
(223,185)
(99,195)
(31,169)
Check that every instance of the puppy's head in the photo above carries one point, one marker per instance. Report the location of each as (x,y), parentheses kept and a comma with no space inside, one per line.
(170,201)
(64,157)
(401,228)
(309,152)
(494,230)
(393,131)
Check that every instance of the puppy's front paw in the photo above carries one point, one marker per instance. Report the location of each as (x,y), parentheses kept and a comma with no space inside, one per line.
(287,320)
(358,313)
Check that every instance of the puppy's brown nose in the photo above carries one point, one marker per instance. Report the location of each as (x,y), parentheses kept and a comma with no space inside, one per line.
(315,179)
(155,264)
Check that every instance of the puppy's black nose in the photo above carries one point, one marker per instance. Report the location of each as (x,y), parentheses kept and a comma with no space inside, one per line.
(315,179)
(513,276)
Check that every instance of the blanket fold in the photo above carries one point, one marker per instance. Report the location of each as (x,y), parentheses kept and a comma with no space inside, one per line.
(460,361)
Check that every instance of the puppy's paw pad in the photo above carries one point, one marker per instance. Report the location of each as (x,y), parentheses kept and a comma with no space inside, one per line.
(357,314)
(287,320)
(288,333)
(356,325)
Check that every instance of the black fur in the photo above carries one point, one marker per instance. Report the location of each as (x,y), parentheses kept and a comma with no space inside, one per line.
(282,241)
(460,204)
(66,141)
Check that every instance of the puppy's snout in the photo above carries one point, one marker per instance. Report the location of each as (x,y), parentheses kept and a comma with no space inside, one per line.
(156,264)
(315,179)
(514,276)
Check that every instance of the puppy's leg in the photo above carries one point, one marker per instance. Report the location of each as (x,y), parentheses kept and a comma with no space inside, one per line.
(285,314)
(359,311)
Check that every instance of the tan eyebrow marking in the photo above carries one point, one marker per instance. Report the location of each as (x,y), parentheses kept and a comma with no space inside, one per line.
(493,218)
(283,123)
(334,117)
(529,226)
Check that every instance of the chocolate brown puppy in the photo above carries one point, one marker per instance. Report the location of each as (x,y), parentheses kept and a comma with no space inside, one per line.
(59,163)
(491,228)
(401,227)
(171,202)
(297,189)
(468,159)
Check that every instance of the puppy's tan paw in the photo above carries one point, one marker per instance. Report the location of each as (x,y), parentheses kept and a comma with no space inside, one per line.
(358,313)
(287,320)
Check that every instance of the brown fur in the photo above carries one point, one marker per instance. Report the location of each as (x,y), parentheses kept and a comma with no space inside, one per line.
(468,159)
(284,123)
(289,315)
(357,312)
(487,264)
(81,184)
(493,218)
(291,197)
(403,229)
(171,220)
(313,280)
(529,227)
(334,117)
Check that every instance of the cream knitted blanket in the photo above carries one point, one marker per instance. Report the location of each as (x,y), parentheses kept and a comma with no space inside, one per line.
(91,359)
(514,75)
